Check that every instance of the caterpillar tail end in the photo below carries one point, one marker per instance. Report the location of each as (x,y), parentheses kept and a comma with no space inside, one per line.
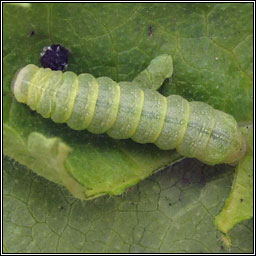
(238,150)
(21,81)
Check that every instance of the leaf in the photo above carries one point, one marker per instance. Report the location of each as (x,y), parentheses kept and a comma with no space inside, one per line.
(92,36)
(239,204)
(172,211)
(101,164)
(211,45)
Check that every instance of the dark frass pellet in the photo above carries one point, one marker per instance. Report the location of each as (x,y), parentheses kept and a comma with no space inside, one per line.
(150,31)
(55,57)
(32,33)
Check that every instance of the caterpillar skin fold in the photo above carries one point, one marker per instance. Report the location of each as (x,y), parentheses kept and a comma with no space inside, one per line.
(125,111)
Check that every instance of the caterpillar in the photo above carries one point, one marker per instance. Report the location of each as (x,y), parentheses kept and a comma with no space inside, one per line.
(128,110)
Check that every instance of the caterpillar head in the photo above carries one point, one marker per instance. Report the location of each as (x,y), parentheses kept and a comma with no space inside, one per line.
(21,81)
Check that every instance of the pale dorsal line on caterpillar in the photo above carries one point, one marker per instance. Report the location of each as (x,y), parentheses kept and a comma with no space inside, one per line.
(124,111)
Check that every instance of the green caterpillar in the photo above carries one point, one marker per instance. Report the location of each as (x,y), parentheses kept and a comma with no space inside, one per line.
(127,110)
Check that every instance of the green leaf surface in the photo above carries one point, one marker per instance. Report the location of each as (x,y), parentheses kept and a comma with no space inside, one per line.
(239,204)
(172,211)
(211,45)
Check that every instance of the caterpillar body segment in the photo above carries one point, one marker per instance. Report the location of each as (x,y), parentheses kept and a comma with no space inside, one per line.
(101,105)
(129,112)
(106,107)
(151,118)
(175,123)
(47,103)
(84,106)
